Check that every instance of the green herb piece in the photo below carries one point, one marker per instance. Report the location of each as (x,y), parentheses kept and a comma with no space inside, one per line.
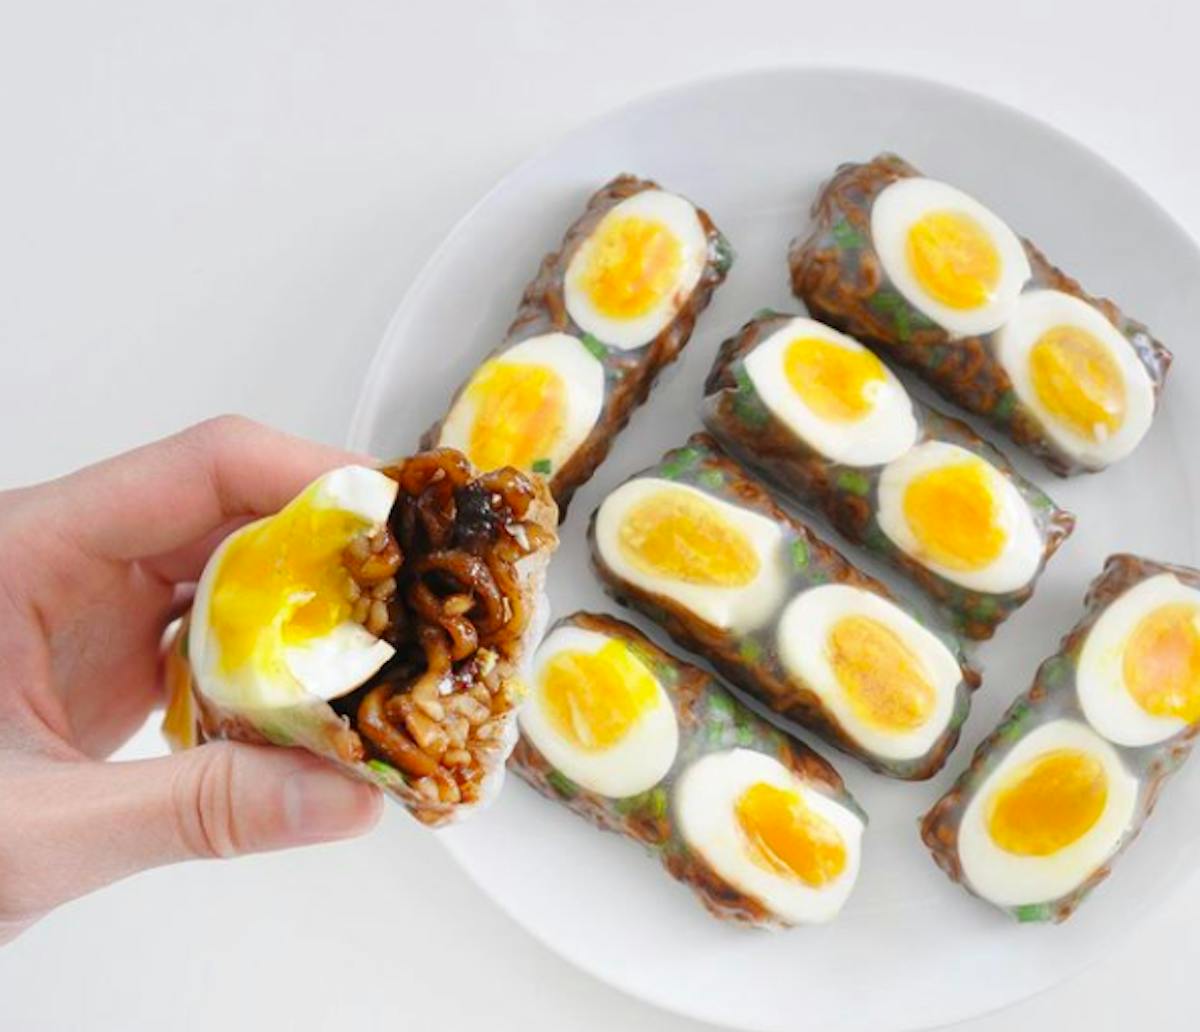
(722,704)
(745,735)
(594,346)
(854,482)
(985,608)
(903,325)
(680,461)
(1004,406)
(562,784)
(885,302)
(1032,912)
(846,236)
(937,355)
(386,769)
(541,466)
(1055,671)
(711,478)
(723,255)
(750,650)
(767,313)
(657,802)
(799,551)
(746,404)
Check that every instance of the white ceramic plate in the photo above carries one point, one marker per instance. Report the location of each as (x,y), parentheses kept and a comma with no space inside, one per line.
(910,949)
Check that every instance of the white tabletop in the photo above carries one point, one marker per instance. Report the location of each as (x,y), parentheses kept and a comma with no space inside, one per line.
(216,207)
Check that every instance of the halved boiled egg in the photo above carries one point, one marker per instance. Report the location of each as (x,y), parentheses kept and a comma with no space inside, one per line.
(272,622)
(1052,812)
(770,835)
(1138,676)
(722,562)
(889,682)
(833,393)
(1079,374)
(598,714)
(530,407)
(960,517)
(950,257)
(630,277)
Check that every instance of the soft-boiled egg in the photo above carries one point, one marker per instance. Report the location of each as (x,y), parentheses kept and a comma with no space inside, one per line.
(598,713)
(952,258)
(1078,374)
(770,835)
(1138,675)
(1053,811)
(722,562)
(530,407)
(960,517)
(833,393)
(889,682)
(272,621)
(637,268)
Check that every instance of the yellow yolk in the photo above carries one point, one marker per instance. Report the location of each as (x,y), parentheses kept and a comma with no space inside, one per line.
(1049,803)
(837,383)
(594,698)
(953,259)
(787,837)
(520,412)
(632,265)
(882,679)
(954,515)
(1162,662)
(680,535)
(1078,381)
(280,583)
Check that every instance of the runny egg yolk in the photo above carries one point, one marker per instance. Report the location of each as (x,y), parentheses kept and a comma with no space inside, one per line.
(520,413)
(837,383)
(682,536)
(1049,803)
(953,259)
(633,263)
(882,679)
(594,698)
(1162,662)
(282,583)
(787,837)
(1078,381)
(954,515)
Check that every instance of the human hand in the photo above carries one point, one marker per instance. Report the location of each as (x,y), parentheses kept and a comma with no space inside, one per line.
(92,568)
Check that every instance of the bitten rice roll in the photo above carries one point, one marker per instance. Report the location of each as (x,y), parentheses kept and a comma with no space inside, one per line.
(380,620)
(604,315)
(699,547)
(930,277)
(1064,784)
(759,827)
(826,421)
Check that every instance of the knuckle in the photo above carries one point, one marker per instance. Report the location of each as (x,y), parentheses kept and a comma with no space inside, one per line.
(218,432)
(203,803)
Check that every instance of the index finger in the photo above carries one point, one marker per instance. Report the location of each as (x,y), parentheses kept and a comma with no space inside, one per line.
(165,495)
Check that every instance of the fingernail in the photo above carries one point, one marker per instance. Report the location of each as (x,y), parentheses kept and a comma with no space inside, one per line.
(320,805)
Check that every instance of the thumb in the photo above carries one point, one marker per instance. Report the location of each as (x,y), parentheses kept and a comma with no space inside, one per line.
(87,824)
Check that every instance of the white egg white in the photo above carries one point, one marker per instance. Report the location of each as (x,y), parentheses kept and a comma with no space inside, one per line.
(632,765)
(1100,677)
(906,201)
(560,353)
(886,431)
(739,608)
(1032,316)
(1009,879)
(1021,556)
(324,667)
(705,803)
(680,218)
(803,636)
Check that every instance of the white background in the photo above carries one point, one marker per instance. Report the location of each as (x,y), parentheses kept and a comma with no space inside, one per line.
(216,206)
